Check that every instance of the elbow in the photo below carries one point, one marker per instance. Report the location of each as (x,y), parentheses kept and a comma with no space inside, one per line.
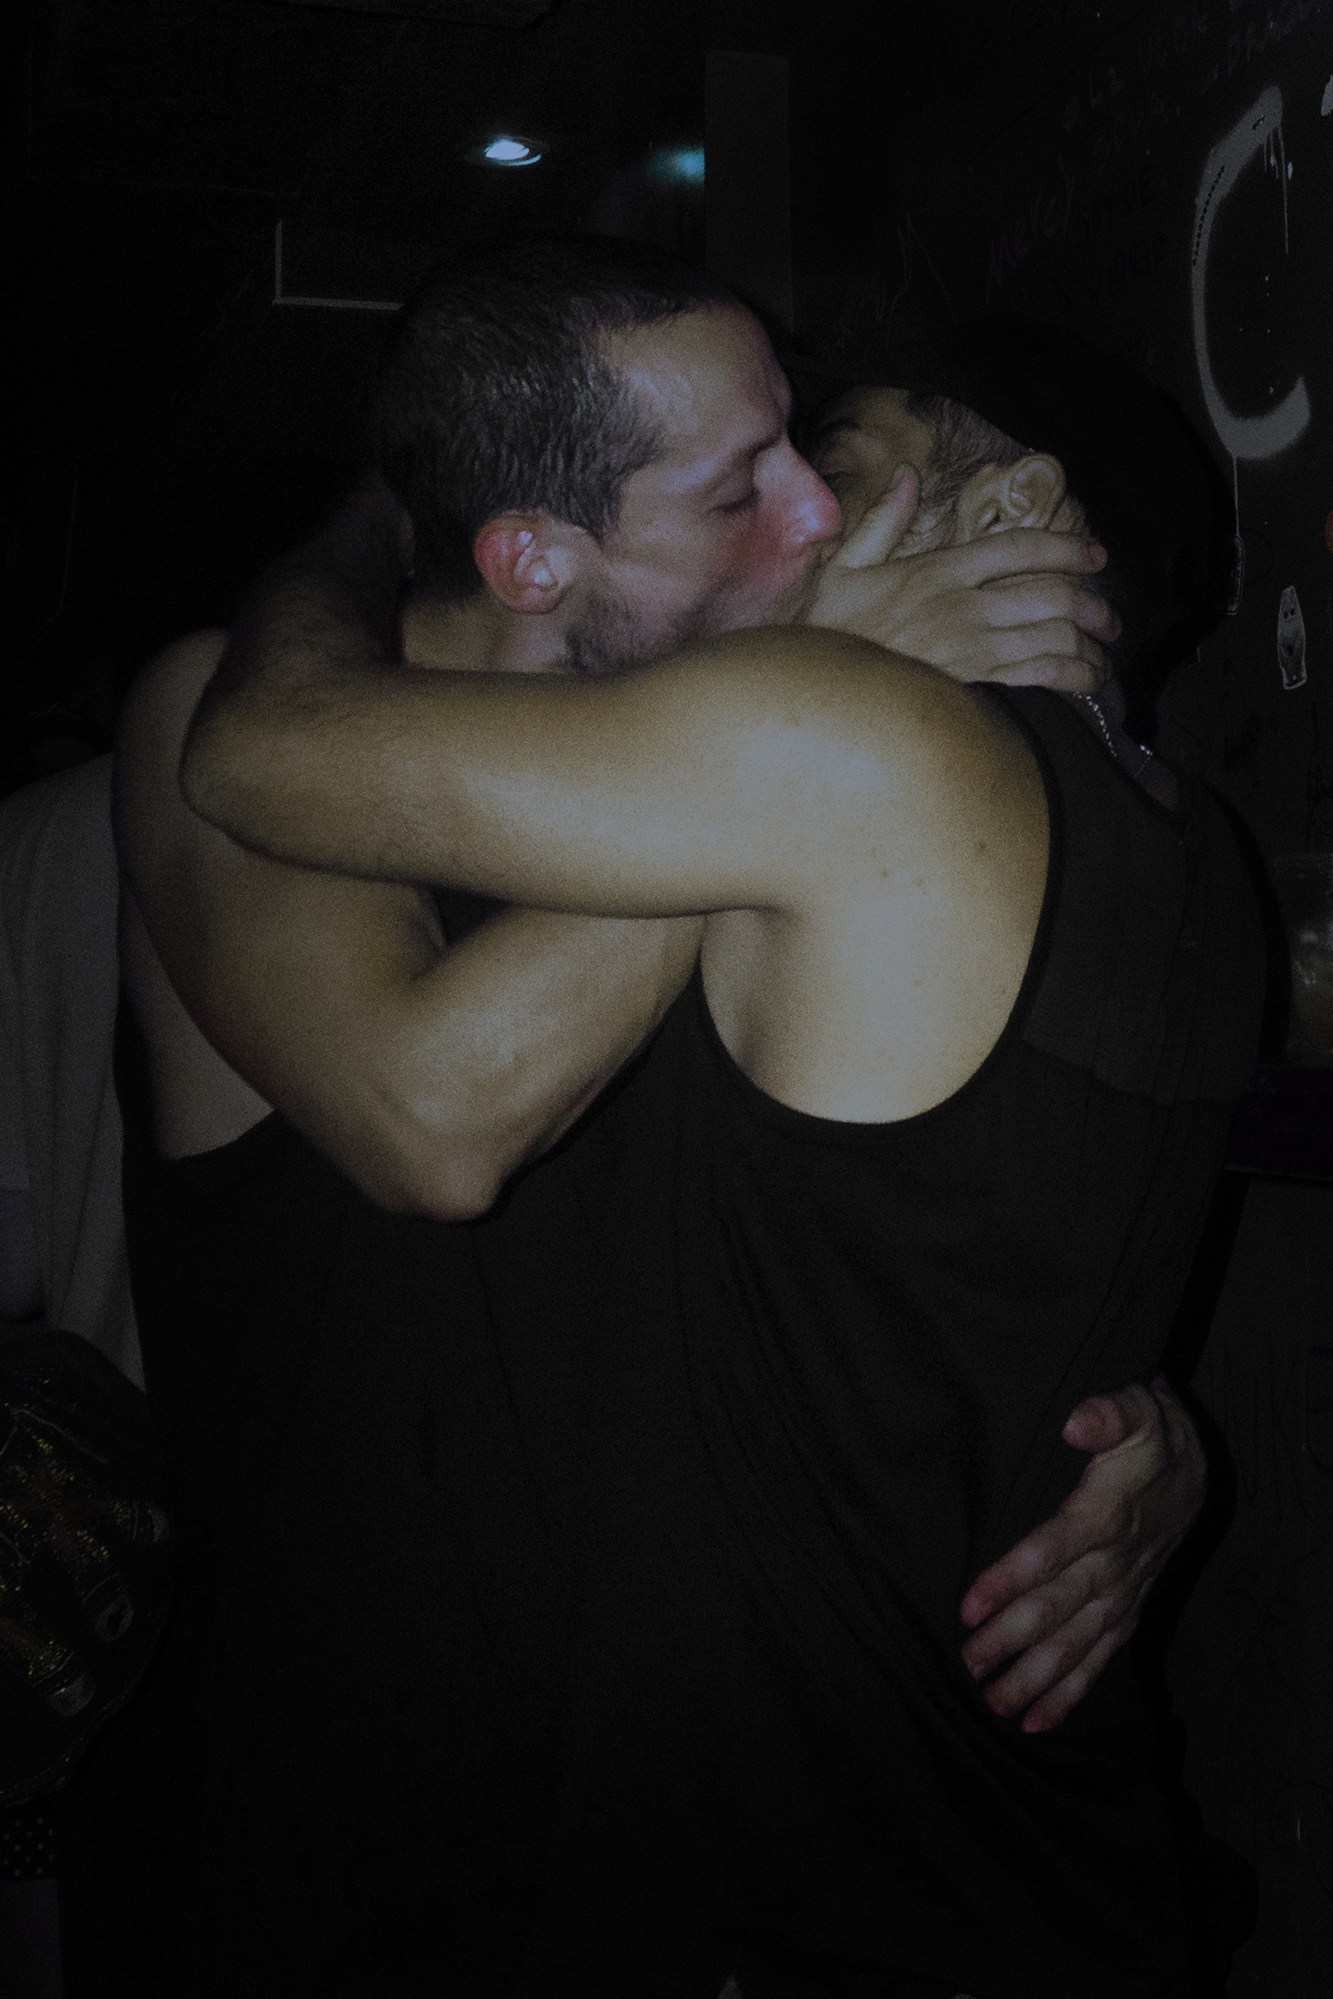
(440,1182)
(415,1148)
(452,1196)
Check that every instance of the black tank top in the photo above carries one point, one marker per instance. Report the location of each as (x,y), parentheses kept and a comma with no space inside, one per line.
(847,1354)
(575,1601)
(340,1776)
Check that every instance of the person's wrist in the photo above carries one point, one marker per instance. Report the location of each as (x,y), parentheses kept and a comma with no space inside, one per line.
(845,602)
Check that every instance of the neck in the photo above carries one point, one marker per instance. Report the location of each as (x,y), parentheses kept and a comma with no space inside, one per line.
(478,634)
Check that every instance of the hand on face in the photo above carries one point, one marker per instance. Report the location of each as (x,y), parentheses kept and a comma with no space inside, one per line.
(1008,607)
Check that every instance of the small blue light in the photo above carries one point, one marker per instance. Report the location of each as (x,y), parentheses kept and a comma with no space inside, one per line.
(687,163)
(505,152)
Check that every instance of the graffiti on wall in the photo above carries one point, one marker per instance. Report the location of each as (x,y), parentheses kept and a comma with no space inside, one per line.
(1276,429)
(1162,185)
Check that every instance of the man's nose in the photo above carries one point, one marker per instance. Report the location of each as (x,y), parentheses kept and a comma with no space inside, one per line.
(815,514)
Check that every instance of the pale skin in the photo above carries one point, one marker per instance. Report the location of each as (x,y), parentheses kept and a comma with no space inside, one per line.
(438,1094)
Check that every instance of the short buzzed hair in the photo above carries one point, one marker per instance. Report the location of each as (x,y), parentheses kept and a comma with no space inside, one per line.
(993,390)
(962,443)
(496,392)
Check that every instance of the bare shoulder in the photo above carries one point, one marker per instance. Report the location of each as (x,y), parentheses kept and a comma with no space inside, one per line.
(889,742)
(167,853)
(254,983)
(835,684)
(168,861)
(914,884)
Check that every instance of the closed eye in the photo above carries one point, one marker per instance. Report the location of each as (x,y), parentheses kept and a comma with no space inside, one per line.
(741,506)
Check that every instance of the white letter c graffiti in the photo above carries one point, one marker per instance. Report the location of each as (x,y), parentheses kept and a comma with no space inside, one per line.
(1243,436)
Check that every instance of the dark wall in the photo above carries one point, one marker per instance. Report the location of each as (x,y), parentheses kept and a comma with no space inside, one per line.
(1250,1663)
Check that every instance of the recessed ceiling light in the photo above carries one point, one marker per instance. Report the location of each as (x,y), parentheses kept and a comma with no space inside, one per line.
(681,163)
(505,150)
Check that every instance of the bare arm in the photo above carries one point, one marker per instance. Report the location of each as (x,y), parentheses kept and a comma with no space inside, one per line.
(721,779)
(1011,608)
(428,1075)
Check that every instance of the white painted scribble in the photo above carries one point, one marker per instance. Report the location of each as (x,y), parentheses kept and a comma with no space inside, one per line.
(1236,572)
(1277,429)
(1275,161)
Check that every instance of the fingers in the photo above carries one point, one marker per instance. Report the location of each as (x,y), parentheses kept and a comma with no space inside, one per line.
(1035,1562)
(876,536)
(1105,1574)
(1095,1540)
(1075,673)
(1059,1701)
(1024,551)
(1104,1422)
(1019,1626)
(1055,653)
(1033,599)
(1048,1646)
(1091,1635)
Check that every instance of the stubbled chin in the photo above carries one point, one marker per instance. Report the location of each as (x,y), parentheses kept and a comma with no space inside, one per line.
(711,619)
(795,602)
(787,607)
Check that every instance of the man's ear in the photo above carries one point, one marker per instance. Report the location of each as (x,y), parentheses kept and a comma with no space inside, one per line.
(1027,494)
(528,561)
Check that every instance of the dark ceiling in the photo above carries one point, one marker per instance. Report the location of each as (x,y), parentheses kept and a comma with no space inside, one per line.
(162,141)
(172,423)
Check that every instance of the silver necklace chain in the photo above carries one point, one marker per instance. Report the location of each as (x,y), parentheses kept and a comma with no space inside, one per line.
(1145,754)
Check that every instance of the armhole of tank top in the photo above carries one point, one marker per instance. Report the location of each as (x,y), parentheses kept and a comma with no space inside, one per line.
(819,1130)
